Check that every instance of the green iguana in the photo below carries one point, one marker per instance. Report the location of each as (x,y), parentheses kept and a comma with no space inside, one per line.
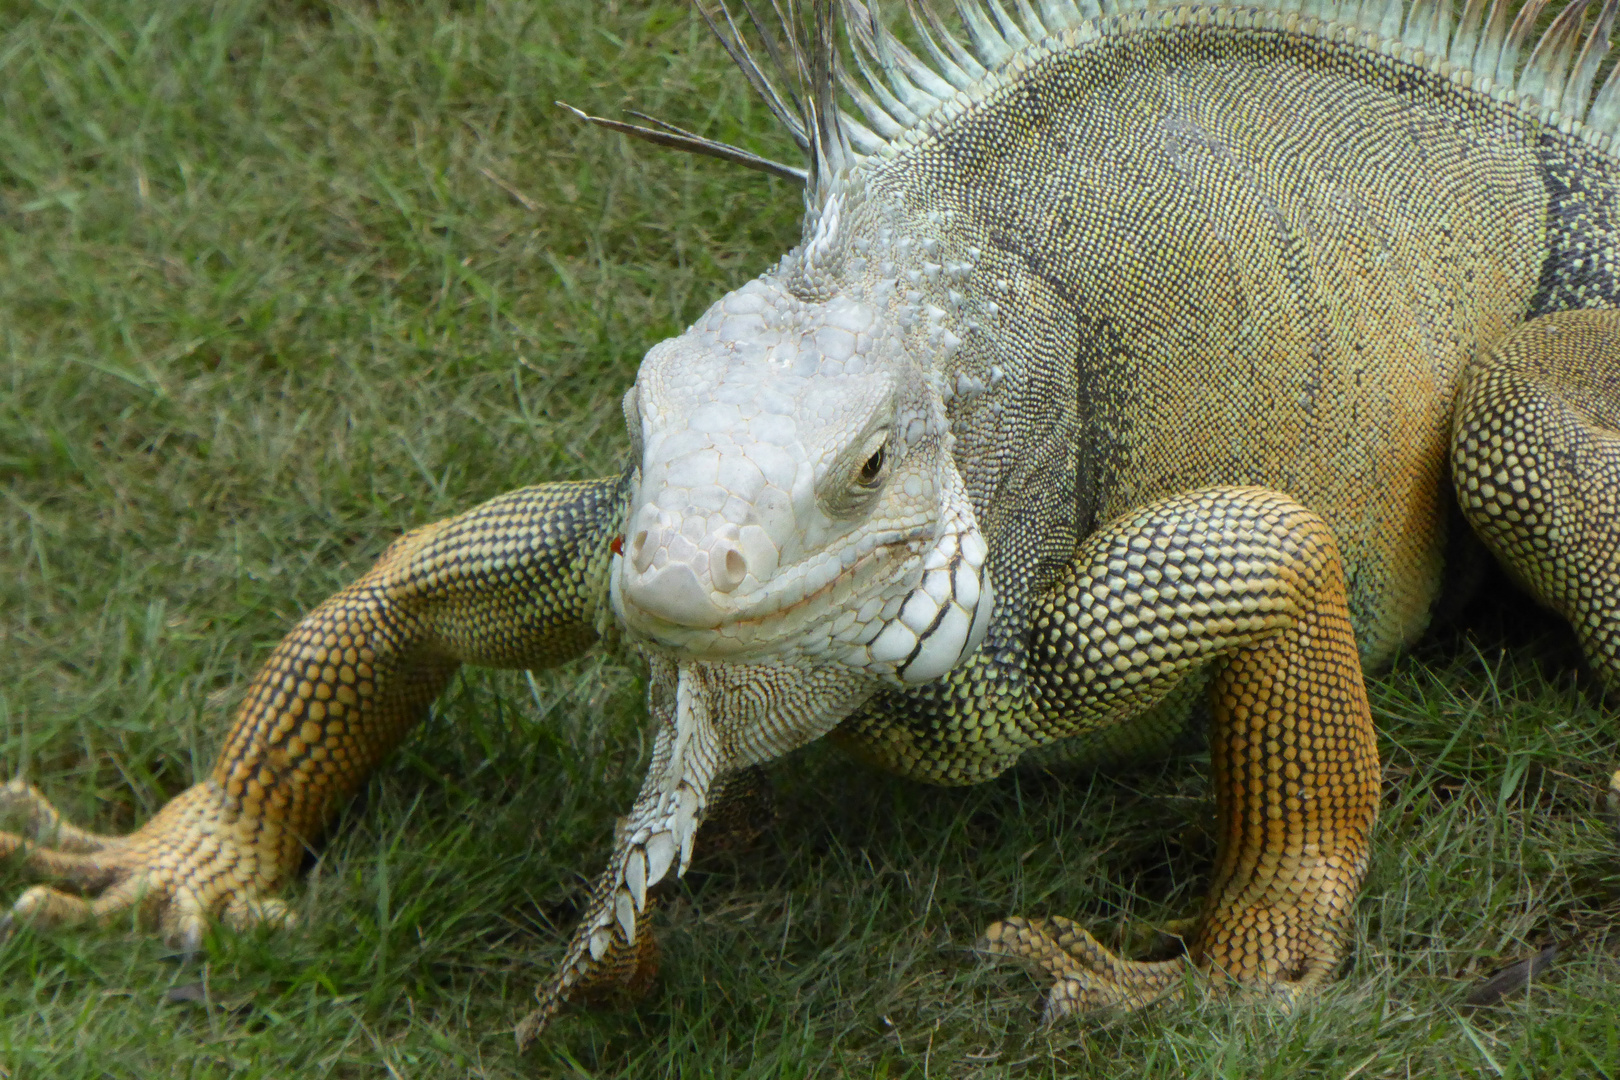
(1132,355)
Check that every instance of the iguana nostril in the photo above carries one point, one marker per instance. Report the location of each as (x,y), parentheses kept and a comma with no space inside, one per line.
(727,567)
(640,554)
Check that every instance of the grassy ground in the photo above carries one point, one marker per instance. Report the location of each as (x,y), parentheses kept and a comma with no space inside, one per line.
(283,279)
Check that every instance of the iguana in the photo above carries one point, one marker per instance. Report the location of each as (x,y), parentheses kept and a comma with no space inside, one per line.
(1133,356)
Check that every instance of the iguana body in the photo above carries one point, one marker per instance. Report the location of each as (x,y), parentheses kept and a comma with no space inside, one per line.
(1125,359)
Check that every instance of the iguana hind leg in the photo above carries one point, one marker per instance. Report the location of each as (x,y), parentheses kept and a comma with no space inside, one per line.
(1535,456)
(1248,584)
(515,582)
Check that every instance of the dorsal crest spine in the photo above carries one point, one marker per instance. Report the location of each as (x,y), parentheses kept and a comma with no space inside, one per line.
(1482,49)
(896,91)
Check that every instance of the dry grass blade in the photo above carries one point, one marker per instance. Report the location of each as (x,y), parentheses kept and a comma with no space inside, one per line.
(1511,979)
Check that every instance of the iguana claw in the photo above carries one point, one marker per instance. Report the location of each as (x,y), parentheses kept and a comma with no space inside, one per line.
(190,864)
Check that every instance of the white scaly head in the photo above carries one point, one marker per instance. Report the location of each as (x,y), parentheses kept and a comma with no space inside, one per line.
(796,501)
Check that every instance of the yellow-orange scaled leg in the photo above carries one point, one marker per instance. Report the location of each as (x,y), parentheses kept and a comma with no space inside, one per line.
(1248,584)
(515,582)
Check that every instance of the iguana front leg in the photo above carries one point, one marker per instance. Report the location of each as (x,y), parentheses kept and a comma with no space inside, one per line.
(1247,583)
(517,582)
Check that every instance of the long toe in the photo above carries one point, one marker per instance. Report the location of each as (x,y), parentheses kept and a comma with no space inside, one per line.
(43,907)
(246,913)
(43,823)
(1087,977)
(90,872)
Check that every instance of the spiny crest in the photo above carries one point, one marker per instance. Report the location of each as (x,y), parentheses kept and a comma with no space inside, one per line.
(896,89)
(1481,49)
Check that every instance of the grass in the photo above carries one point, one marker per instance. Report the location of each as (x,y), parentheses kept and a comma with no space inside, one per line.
(282,279)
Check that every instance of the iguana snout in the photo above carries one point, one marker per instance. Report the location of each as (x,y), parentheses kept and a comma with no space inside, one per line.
(796,493)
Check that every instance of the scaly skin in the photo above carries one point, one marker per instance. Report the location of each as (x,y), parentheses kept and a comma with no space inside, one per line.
(1535,454)
(516,582)
(1124,362)
(1248,583)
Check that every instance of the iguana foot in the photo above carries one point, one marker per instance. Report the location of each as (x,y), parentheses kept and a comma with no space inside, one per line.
(1088,977)
(191,863)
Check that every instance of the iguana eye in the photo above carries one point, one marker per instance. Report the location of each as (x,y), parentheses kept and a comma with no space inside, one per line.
(872,471)
(854,484)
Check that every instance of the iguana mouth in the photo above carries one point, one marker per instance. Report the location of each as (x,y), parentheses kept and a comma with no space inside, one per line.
(769,607)
(913,635)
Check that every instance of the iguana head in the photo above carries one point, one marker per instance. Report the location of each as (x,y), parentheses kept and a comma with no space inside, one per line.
(796,498)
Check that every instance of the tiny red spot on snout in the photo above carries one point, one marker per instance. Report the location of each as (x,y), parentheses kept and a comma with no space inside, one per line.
(617,544)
